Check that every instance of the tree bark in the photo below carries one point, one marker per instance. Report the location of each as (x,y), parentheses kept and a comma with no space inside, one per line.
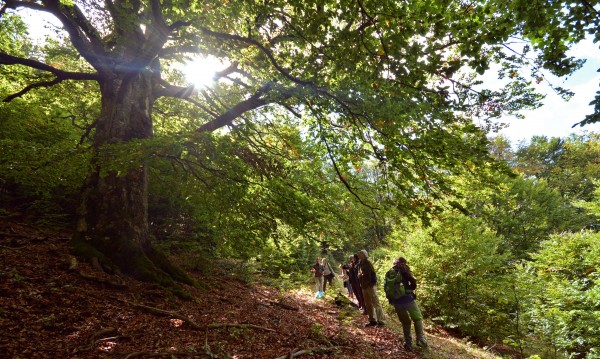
(117,202)
(113,219)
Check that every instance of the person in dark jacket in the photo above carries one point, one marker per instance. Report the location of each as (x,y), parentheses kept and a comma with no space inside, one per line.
(368,282)
(345,277)
(406,307)
(318,270)
(355,284)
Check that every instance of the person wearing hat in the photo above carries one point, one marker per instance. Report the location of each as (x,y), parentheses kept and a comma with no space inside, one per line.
(368,282)
(405,305)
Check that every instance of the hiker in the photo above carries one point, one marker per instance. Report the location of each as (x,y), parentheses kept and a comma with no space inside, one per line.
(368,282)
(355,284)
(399,289)
(317,269)
(328,273)
(345,277)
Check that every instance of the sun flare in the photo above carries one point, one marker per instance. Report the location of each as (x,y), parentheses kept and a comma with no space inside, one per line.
(200,71)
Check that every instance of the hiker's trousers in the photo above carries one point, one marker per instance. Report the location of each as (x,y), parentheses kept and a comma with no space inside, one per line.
(373,307)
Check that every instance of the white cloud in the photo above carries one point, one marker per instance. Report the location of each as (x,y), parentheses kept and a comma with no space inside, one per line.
(557,116)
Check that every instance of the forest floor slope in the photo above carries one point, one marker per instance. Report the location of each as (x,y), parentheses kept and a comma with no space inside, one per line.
(53,307)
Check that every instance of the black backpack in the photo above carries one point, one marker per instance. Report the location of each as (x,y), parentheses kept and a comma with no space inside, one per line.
(318,270)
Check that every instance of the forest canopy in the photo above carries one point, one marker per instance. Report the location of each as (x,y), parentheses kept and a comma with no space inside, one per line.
(332,126)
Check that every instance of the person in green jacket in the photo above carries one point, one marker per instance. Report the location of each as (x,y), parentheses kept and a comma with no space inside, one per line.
(405,305)
(368,282)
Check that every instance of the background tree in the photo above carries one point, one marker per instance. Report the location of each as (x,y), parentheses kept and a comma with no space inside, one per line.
(566,311)
(568,164)
(42,166)
(524,212)
(478,262)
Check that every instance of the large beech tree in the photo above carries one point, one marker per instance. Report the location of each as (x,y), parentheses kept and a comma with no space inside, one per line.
(385,80)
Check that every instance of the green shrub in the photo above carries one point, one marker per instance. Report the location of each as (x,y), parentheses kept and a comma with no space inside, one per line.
(567,311)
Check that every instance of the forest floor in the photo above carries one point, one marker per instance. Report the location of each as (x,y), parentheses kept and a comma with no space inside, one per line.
(53,307)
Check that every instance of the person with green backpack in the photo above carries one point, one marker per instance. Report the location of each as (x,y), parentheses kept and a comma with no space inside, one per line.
(399,285)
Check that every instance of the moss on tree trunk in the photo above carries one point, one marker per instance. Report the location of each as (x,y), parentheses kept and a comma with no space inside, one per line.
(124,255)
(113,216)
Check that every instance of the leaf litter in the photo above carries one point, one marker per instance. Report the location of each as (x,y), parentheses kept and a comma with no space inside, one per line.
(50,311)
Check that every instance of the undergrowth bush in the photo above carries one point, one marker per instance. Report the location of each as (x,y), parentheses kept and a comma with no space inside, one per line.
(462,282)
(566,310)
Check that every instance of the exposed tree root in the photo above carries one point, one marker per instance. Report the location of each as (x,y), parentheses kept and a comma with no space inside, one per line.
(159,311)
(279,302)
(11,248)
(15,235)
(235,325)
(341,301)
(295,354)
(189,321)
(125,256)
(286,306)
(106,282)
(221,298)
(95,336)
(167,354)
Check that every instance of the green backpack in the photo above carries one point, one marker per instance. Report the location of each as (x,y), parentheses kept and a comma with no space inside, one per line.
(393,286)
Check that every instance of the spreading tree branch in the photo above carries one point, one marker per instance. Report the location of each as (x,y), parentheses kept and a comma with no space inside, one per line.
(60,75)
(339,173)
(31,87)
(11,4)
(183,93)
(226,72)
(87,28)
(267,52)
(302,83)
(156,35)
(170,90)
(83,35)
(6,59)
(590,7)
(169,52)
(253,102)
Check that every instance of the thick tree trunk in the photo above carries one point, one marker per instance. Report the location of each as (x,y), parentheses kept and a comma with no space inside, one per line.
(113,218)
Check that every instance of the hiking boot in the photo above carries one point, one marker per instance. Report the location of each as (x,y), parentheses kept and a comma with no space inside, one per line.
(407,336)
(370,324)
(420,335)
